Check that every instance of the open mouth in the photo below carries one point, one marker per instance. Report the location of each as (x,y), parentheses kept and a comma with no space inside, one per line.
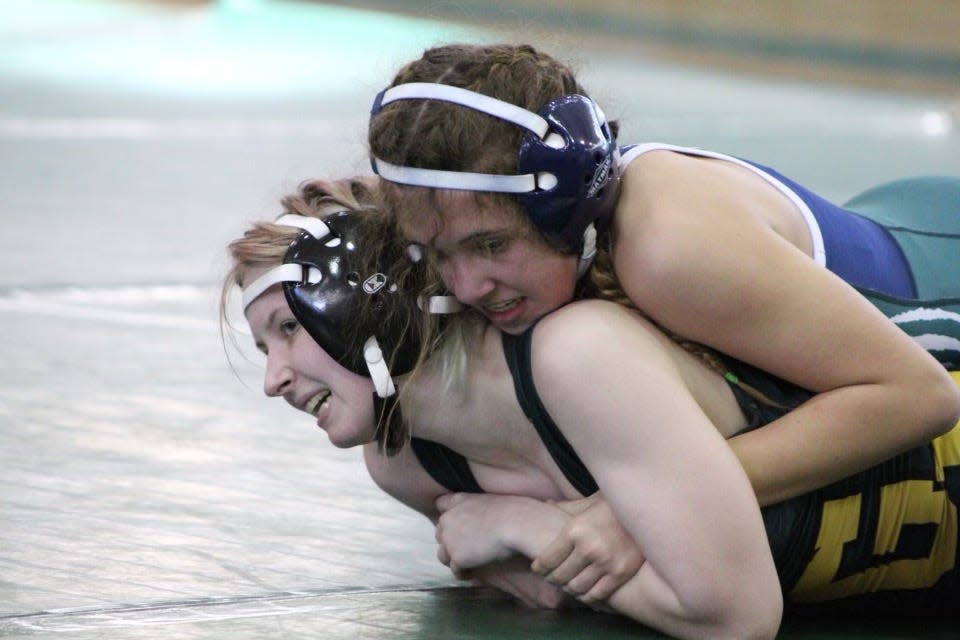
(313,405)
(506,305)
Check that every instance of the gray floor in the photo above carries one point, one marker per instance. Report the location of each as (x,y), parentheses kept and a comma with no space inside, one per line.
(147,489)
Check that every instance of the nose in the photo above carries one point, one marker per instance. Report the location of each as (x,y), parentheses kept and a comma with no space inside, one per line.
(278,377)
(469,279)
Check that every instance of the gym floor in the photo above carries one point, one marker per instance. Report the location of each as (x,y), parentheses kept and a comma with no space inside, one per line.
(147,488)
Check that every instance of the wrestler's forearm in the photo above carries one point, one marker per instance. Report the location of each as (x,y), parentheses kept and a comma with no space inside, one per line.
(529,525)
(833,435)
(649,599)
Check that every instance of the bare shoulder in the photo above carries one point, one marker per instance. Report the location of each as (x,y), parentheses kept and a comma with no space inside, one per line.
(665,217)
(667,192)
(582,317)
(588,335)
(653,177)
(403,477)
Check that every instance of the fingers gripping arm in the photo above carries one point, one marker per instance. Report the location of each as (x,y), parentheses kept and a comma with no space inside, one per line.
(593,556)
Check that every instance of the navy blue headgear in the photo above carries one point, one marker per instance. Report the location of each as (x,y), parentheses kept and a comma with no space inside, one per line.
(568,159)
(326,293)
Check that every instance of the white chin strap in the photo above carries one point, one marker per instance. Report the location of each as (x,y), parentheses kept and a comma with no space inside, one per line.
(379,372)
(589,250)
(440,304)
(433,304)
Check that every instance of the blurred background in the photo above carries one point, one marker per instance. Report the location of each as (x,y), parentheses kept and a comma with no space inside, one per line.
(147,488)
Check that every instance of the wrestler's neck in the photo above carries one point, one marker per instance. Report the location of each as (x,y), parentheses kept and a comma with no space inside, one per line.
(465,410)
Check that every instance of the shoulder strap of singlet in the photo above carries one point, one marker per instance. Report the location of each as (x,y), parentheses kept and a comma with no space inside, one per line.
(445,465)
(517,351)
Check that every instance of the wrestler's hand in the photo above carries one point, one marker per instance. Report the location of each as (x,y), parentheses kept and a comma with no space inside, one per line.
(471,531)
(477,529)
(593,556)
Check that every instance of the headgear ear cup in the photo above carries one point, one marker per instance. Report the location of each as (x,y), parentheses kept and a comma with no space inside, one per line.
(586,169)
(329,308)
(323,286)
(328,294)
(568,159)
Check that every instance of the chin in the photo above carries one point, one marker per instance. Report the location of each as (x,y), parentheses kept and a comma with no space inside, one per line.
(349,440)
(344,443)
(515,329)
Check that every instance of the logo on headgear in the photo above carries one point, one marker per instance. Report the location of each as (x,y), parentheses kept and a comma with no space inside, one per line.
(599,177)
(374,283)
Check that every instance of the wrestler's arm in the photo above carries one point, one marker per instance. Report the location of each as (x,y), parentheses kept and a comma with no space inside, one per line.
(667,473)
(593,555)
(596,555)
(404,478)
(702,261)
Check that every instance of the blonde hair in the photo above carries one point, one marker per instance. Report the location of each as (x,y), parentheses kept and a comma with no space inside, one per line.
(265,244)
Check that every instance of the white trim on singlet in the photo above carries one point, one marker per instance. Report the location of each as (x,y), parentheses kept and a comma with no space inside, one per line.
(816,236)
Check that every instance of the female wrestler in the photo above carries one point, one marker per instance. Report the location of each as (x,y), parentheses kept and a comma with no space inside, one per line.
(497,163)
(697,523)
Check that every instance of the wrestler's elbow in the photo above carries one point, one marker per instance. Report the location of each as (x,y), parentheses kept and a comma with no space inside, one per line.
(940,402)
(751,614)
(749,606)
(760,621)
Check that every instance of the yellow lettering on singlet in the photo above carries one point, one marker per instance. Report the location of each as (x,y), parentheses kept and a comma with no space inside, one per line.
(908,502)
(917,502)
(839,524)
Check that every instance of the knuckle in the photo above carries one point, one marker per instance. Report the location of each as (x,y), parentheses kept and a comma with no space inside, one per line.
(578,531)
(594,552)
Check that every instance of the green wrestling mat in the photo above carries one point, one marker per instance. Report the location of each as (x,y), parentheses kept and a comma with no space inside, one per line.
(923,214)
(148,493)
(455,613)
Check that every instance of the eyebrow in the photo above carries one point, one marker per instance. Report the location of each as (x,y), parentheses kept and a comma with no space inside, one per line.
(271,319)
(479,235)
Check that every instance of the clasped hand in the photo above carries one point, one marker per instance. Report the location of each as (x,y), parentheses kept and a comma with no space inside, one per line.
(591,555)
(472,530)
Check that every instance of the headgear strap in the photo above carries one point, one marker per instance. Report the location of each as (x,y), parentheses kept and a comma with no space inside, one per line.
(568,162)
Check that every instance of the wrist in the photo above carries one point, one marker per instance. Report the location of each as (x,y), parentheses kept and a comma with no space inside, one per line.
(530,525)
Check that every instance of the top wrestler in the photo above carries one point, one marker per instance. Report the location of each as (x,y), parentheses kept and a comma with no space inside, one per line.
(496,162)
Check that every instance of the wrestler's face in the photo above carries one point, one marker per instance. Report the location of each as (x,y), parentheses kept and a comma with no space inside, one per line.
(306,376)
(491,262)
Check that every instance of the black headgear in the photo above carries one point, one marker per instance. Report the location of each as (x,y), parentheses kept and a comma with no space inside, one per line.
(328,292)
(568,159)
